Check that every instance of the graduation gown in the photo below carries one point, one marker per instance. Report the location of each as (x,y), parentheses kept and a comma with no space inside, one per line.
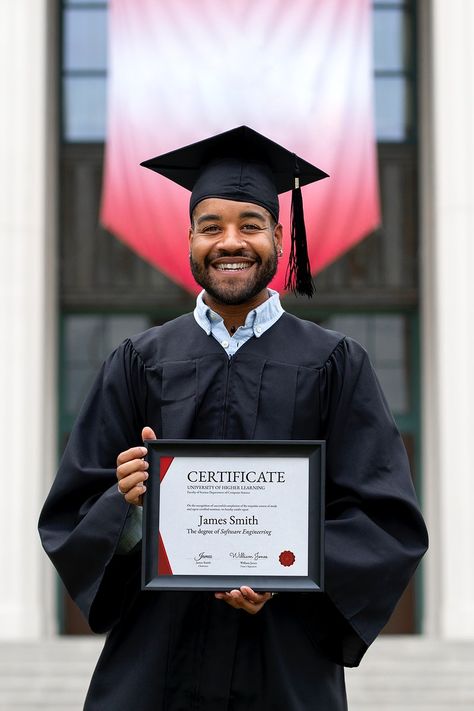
(183,650)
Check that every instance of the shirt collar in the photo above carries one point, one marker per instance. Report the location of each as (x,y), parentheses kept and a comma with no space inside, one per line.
(259,319)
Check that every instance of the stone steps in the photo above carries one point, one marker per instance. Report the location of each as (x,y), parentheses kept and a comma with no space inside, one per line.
(398,674)
(52,675)
(414,674)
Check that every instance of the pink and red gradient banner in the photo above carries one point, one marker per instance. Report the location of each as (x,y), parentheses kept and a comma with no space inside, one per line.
(299,72)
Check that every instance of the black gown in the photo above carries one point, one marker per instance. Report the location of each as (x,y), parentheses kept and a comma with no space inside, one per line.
(188,651)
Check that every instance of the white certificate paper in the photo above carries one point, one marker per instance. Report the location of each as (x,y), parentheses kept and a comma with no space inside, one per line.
(234,515)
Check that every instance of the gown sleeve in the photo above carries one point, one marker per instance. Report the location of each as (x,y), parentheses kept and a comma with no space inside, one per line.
(83,517)
(375,534)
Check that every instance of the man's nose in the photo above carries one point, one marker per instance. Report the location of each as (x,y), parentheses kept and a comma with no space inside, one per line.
(231,238)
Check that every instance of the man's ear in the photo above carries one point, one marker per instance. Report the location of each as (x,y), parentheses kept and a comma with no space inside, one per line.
(190,236)
(278,237)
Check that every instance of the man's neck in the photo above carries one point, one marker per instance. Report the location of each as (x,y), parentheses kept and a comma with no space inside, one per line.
(234,315)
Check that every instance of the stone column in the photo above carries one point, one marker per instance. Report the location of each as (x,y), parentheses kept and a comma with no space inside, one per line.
(28,135)
(447,192)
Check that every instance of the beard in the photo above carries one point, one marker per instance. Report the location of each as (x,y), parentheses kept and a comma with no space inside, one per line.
(230,293)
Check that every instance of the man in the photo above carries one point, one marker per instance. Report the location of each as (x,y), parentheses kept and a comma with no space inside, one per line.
(239,367)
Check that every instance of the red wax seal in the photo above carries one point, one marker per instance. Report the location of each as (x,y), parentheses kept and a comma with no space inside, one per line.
(286,558)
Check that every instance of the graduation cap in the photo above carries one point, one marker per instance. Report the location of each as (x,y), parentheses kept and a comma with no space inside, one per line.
(246,166)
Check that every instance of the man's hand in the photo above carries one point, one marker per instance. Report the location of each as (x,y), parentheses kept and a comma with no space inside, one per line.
(244,599)
(132,471)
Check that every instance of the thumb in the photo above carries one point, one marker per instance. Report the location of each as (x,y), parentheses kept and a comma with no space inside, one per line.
(147,433)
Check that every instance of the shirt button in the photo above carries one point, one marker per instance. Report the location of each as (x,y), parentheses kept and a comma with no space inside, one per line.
(259,329)
(214,317)
(225,344)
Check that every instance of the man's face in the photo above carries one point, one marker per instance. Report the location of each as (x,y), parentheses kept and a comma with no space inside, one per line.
(234,249)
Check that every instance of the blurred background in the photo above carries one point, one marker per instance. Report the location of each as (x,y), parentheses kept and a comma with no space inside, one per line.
(71,292)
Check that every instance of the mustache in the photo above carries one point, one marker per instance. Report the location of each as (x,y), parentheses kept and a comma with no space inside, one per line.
(244,253)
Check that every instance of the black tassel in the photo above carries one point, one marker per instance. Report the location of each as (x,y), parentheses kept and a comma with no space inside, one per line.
(298,274)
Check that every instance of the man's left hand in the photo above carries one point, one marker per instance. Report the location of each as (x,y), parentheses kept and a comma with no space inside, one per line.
(245,599)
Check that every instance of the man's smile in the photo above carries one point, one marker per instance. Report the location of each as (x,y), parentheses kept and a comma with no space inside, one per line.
(229,264)
(233,267)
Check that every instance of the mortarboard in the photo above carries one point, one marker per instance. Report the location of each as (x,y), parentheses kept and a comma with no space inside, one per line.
(246,166)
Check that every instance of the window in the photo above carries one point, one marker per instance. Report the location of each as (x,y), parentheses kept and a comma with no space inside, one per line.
(84,73)
(87,340)
(393,40)
(84,80)
(386,339)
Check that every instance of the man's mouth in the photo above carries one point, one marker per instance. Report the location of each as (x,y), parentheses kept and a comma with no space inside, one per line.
(233,266)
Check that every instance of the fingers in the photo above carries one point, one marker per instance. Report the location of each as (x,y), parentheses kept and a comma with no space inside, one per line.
(132,470)
(132,486)
(254,597)
(132,474)
(147,433)
(131,454)
(135,495)
(245,599)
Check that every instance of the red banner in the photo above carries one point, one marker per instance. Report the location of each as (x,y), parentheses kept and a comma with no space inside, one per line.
(299,72)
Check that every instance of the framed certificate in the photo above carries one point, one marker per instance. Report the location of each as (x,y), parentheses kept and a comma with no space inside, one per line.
(222,514)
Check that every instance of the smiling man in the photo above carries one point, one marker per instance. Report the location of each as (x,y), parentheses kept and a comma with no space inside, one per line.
(239,367)
(234,248)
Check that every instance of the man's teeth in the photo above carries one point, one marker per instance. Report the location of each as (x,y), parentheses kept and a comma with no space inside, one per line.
(234,266)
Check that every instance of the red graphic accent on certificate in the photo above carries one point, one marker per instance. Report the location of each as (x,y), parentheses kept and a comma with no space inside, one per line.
(164,567)
(286,558)
(165,463)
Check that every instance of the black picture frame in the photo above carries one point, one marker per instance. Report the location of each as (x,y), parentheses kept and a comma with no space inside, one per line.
(313,450)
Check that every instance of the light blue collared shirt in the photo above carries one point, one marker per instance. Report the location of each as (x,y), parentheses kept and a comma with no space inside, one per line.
(257,322)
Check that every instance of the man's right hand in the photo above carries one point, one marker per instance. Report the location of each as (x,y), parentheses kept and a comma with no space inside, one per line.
(132,471)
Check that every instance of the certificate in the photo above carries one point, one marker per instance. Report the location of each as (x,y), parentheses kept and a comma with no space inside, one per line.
(221,514)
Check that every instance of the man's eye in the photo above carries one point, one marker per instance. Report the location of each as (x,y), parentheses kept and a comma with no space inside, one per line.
(210,228)
(251,228)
